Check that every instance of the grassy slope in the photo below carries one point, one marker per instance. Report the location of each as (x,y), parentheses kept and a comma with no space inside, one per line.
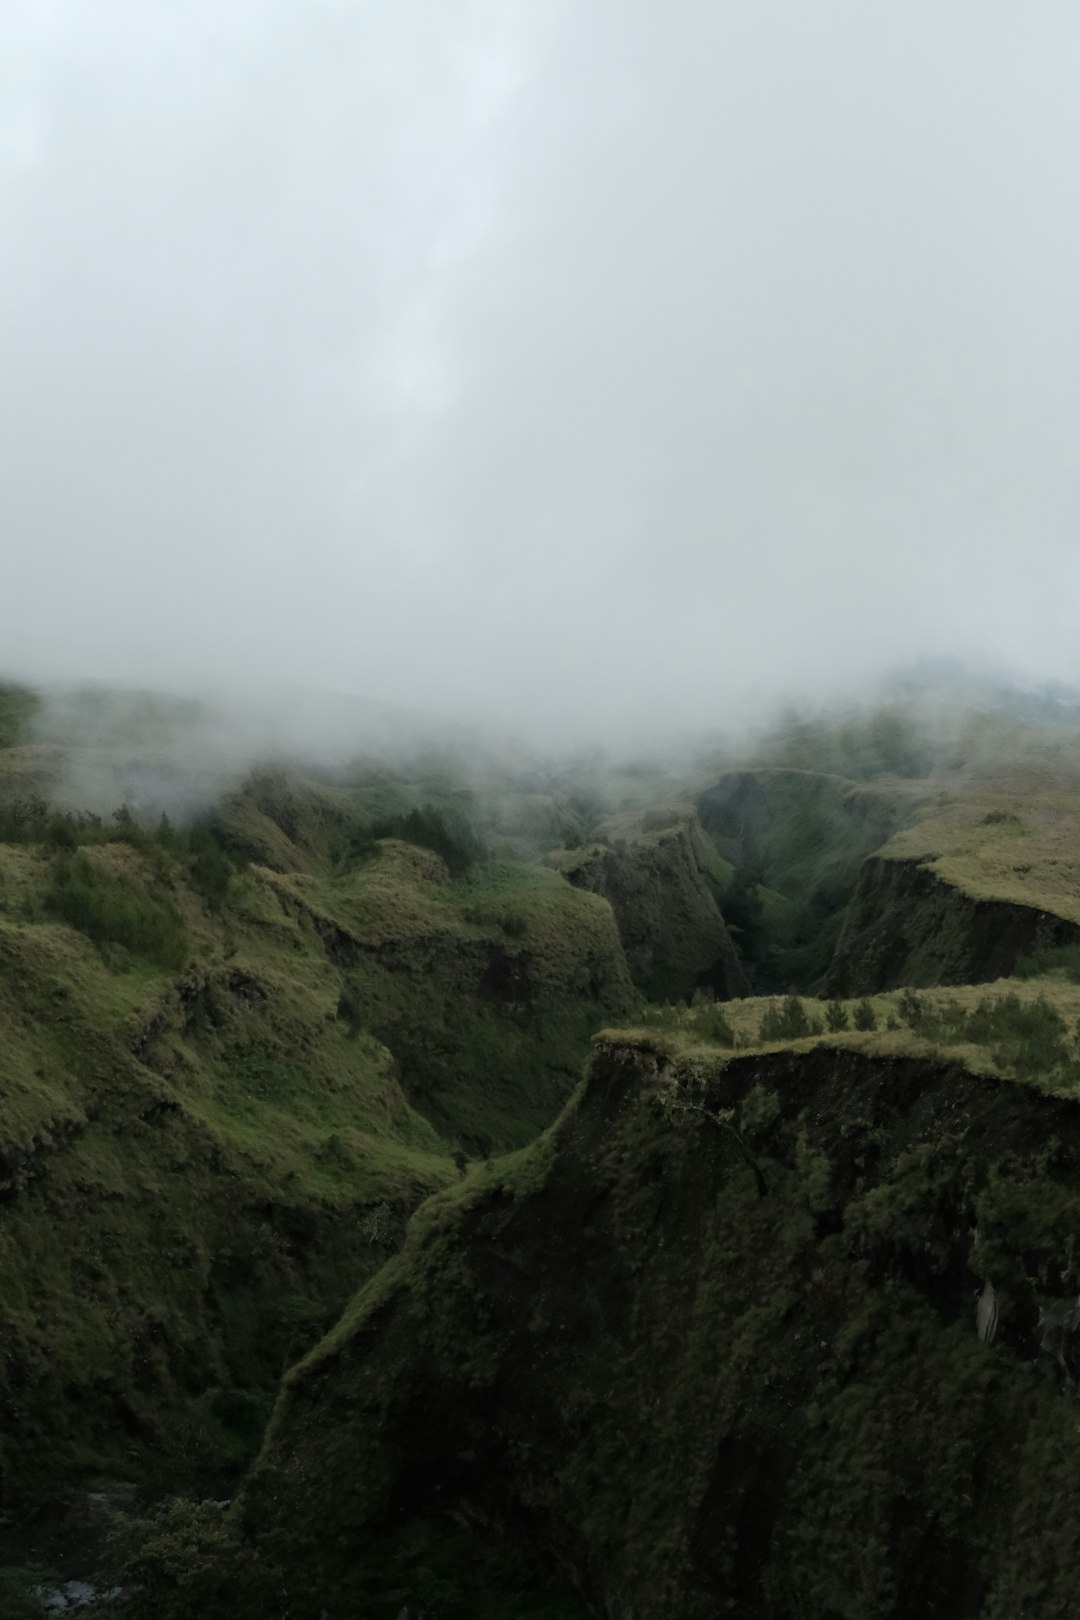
(685,1031)
(1020,846)
(205,1143)
(195,1168)
(486,989)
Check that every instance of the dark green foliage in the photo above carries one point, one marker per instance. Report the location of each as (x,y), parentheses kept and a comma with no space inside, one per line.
(183,1559)
(1063,959)
(716,1027)
(114,908)
(200,850)
(864,1016)
(444,832)
(29,820)
(912,1008)
(1029,1038)
(836,1018)
(128,830)
(61,832)
(211,868)
(744,913)
(787,1022)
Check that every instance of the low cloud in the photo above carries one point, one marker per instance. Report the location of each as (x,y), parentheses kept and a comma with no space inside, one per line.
(570,369)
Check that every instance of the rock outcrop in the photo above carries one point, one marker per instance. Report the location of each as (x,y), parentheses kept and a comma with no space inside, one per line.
(716,1345)
(906,925)
(658,885)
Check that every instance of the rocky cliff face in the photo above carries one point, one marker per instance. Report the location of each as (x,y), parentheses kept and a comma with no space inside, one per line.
(793,1335)
(906,925)
(657,884)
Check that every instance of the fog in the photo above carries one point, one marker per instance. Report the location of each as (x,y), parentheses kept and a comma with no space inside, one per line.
(566,367)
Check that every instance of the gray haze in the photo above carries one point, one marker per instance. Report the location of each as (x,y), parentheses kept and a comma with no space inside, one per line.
(550,363)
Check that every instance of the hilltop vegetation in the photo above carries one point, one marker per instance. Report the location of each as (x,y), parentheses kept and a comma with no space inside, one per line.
(292,1114)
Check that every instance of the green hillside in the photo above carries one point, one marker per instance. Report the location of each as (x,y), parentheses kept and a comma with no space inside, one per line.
(329,1286)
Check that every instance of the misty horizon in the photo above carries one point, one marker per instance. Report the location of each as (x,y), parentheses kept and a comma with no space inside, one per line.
(551,369)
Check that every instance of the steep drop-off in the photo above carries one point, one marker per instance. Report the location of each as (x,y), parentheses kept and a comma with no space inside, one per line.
(660,882)
(795,840)
(908,926)
(791,1335)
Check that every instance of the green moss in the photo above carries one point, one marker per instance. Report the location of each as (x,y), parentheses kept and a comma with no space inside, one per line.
(706,1394)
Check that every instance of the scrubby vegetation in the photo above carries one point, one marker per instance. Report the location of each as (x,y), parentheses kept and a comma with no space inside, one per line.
(303,1203)
(113,906)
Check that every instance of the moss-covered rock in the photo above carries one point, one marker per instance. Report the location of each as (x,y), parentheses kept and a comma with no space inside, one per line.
(714,1345)
(208,1135)
(908,925)
(661,882)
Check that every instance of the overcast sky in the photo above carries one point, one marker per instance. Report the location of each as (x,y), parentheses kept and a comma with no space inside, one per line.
(539,359)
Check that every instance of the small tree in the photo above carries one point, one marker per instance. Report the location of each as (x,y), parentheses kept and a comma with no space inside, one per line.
(788,1022)
(865,1017)
(836,1018)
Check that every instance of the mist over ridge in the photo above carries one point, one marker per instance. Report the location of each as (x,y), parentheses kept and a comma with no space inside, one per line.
(546,368)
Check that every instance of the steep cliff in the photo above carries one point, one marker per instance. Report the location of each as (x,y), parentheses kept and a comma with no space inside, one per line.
(660,883)
(790,1335)
(908,925)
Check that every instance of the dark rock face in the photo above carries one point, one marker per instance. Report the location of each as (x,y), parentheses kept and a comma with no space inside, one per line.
(672,933)
(907,926)
(692,1400)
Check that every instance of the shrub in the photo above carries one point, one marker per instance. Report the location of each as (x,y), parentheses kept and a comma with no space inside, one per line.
(1064,959)
(718,1028)
(61,832)
(444,833)
(211,869)
(836,1017)
(184,1559)
(788,1022)
(113,908)
(1027,1037)
(865,1017)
